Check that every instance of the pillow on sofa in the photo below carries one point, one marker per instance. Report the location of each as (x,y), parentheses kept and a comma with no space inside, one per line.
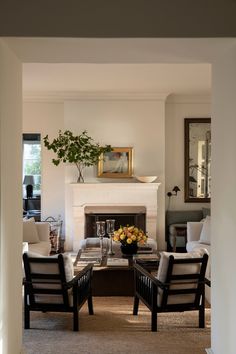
(205,236)
(30,233)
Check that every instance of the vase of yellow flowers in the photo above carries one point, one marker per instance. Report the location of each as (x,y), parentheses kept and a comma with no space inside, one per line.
(129,237)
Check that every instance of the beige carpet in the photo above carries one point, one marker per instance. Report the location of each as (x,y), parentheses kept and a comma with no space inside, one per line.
(114,330)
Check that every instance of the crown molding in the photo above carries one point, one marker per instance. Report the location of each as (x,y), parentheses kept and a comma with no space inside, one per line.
(183,99)
(62,96)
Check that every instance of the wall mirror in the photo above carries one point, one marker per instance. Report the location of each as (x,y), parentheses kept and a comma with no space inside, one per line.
(197,133)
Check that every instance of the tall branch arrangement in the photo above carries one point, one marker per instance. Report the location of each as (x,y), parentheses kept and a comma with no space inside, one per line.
(76,149)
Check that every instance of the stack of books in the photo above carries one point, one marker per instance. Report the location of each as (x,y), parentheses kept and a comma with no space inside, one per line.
(117,262)
(144,249)
(89,255)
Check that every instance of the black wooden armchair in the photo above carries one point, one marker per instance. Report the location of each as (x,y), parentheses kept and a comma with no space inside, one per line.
(179,286)
(49,286)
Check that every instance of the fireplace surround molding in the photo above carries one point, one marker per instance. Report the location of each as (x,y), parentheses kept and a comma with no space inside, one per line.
(112,197)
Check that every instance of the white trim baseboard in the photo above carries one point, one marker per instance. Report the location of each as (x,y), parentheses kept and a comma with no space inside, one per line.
(209,351)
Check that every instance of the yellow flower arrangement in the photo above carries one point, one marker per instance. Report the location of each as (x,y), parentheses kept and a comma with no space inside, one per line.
(128,235)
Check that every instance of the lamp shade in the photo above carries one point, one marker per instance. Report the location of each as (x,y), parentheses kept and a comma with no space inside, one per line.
(28,179)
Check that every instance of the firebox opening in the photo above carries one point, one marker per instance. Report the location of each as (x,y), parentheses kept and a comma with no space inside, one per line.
(129,216)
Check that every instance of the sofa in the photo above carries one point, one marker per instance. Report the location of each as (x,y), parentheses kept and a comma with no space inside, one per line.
(36,237)
(199,236)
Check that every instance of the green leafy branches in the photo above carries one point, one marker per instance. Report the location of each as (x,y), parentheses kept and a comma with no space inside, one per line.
(80,150)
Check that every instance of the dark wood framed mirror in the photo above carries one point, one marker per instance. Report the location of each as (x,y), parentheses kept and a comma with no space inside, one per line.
(197,152)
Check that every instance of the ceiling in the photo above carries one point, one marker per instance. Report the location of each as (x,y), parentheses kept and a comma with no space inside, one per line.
(177,66)
(151,78)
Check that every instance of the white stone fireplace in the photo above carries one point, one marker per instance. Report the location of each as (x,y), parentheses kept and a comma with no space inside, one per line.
(107,196)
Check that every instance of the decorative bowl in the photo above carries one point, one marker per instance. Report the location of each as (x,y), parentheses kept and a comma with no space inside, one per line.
(146,179)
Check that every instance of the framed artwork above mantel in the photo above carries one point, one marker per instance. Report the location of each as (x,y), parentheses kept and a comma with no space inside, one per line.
(116,164)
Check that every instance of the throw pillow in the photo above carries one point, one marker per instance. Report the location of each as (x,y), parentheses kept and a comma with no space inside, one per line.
(30,233)
(205,236)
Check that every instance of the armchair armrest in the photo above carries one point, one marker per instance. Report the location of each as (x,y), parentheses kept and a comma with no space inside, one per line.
(86,273)
(145,274)
(194,229)
(81,285)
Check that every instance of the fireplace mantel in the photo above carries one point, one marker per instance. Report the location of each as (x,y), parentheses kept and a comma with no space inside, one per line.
(82,195)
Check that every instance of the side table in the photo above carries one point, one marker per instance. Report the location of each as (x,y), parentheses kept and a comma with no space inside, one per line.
(180,231)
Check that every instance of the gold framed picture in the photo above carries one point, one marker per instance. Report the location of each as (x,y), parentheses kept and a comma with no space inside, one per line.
(116,164)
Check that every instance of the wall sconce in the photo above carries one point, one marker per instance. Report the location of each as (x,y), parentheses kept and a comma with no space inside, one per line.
(175,190)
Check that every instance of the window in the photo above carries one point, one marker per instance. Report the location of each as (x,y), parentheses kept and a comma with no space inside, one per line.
(32,160)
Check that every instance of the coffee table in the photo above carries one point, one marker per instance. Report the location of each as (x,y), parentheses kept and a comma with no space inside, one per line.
(114,276)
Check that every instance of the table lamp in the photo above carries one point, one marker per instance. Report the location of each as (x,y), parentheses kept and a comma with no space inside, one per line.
(29,182)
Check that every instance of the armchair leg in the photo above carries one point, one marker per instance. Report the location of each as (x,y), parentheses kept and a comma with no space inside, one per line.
(27,318)
(136,303)
(75,320)
(90,305)
(202,317)
(202,310)
(154,321)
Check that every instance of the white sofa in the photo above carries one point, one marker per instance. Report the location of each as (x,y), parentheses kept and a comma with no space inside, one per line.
(36,237)
(198,236)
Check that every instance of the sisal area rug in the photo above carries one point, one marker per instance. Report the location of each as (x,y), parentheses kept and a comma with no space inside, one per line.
(114,330)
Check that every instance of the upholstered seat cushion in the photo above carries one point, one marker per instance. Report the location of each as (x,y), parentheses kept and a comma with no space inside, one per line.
(178,269)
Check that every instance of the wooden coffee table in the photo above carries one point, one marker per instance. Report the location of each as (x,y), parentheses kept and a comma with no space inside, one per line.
(116,280)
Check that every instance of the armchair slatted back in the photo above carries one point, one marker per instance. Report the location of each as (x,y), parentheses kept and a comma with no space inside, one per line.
(184,282)
(46,281)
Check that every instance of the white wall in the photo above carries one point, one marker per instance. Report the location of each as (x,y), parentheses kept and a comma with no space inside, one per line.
(177,108)
(11,202)
(48,118)
(129,123)
(223,203)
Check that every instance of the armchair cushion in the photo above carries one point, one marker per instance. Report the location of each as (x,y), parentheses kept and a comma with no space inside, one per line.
(178,269)
(51,268)
(205,236)
(30,233)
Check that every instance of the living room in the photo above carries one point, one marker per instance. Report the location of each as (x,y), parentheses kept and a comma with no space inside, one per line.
(103,99)
(161,138)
